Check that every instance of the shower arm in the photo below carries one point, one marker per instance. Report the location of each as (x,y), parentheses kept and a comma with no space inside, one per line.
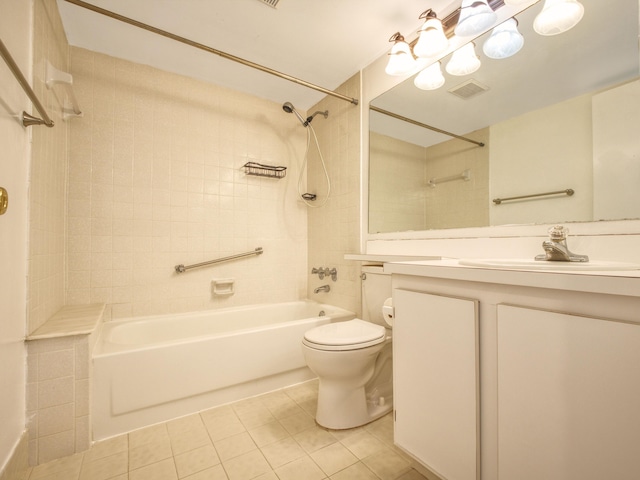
(200,46)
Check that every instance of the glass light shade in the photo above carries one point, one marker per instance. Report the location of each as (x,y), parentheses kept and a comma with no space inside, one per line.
(401,59)
(430,78)
(505,40)
(474,19)
(558,16)
(431,40)
(463,61)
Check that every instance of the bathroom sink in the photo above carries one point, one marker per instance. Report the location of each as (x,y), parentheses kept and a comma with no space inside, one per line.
(531,264)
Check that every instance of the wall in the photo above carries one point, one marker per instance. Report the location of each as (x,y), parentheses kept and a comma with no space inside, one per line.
(15,31)
(334,229)
(156,180)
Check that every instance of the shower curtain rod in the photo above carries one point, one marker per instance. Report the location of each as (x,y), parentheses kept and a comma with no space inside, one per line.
(200,46)
(424,125)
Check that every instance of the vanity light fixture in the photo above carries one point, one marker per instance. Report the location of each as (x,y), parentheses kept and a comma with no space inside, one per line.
(475,17)
(558,16)
(463,61)
(401,61)
(505,40)
(430,78)
(431,37)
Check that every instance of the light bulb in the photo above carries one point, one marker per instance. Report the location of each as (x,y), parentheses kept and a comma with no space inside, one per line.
(505,40)
(558,16)
(431,40)
(430,78)
(463,61)
(475,17)
(401,59)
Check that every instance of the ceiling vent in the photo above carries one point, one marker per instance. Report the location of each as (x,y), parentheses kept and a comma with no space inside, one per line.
(469,89)
(271,3)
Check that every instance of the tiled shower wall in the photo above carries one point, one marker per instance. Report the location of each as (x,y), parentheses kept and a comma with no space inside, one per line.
(47,172)
(155,180)
(334,229)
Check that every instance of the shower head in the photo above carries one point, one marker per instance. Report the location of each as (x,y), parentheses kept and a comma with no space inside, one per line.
(289,108)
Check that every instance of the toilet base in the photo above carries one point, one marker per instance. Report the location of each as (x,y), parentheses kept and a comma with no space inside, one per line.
(340,410)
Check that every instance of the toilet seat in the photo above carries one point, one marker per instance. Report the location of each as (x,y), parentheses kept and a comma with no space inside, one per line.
(349,335)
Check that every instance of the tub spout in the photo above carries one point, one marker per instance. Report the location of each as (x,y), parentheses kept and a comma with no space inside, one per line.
(323,288)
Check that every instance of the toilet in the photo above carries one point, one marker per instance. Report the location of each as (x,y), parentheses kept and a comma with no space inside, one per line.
(352,360)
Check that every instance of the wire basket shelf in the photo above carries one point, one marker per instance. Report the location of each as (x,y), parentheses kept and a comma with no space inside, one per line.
(260,170)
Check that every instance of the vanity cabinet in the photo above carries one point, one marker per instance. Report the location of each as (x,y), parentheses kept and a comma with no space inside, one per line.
(556,365)
(435,349)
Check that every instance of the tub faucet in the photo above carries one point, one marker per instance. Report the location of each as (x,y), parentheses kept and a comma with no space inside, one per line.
(556,249)
(323,288)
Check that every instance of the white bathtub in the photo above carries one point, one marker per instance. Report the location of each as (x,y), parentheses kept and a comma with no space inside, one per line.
(151,369)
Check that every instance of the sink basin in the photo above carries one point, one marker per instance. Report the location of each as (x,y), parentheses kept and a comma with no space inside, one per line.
(531,264)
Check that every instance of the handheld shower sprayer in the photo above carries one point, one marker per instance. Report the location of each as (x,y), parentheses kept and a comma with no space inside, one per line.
(289,108)
(307,197)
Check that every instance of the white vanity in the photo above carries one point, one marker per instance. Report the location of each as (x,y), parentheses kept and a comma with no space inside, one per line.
(511,374)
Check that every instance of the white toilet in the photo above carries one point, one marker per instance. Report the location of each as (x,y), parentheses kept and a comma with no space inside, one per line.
(353,360)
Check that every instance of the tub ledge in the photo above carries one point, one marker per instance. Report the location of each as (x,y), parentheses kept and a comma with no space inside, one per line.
(70,320)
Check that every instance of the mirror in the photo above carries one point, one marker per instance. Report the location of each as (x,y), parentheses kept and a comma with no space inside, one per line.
(562,115)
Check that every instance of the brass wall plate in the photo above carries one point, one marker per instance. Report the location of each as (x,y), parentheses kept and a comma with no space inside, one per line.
(4,201)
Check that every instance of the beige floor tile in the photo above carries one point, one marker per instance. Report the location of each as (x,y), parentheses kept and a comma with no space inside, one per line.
(70,466)
(298,422)
(314,439)
(185,439)
(222,425)
(412,475)
(256,416)
(151,434)
(282,452)
(357,471)
(285,408)
(213,473)
(267,476)
(164,470)
(382,429)
(106,467)
(247,466)
(363,444)
(196,460)
(301,393)
(333,458)
(148,453)
(302,468)
(106,448)
(387,464)
(231,447)
(268,433)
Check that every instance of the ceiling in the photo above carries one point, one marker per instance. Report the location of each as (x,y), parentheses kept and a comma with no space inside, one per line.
(323,42)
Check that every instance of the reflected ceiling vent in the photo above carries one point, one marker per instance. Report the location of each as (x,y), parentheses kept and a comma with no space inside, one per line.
(469,89)
(271,3)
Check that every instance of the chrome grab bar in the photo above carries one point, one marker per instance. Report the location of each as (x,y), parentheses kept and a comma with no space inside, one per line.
(183,268)
(568,191)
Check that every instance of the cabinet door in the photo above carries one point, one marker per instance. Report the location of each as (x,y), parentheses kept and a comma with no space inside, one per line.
(435,371)
(568,397)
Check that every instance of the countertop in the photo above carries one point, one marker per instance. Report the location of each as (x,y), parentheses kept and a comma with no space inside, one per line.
(623,282)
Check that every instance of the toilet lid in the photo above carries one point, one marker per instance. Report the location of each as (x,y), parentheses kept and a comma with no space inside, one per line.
(350,333)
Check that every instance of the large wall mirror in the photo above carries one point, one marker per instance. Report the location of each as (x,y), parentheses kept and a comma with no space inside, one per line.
(562,115)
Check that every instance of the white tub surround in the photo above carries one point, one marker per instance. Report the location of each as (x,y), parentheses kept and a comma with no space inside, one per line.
(58,383)
(152,369)
(555,374)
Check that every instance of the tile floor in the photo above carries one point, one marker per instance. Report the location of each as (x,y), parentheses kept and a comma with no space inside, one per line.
(270,437)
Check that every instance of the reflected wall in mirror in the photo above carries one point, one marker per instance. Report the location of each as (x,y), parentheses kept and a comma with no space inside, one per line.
(563,113)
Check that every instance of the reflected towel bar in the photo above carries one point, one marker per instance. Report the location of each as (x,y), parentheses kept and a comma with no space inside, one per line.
(465,175)
(27,119)
(183,268)
(568,192)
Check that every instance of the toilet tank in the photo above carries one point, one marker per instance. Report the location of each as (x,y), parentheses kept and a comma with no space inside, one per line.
(376,288)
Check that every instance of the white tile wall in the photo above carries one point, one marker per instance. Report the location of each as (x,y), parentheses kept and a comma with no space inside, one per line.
(155,180)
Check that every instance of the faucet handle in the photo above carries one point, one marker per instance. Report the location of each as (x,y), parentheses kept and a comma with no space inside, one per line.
(558,232)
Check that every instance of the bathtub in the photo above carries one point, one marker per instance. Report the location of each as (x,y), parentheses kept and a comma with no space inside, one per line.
(152,369)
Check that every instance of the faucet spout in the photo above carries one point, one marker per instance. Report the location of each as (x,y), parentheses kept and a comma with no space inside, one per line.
(556,249)
(323,288)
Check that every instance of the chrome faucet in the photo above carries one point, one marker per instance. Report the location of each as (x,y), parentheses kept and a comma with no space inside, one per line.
(323,288)
(556,249)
